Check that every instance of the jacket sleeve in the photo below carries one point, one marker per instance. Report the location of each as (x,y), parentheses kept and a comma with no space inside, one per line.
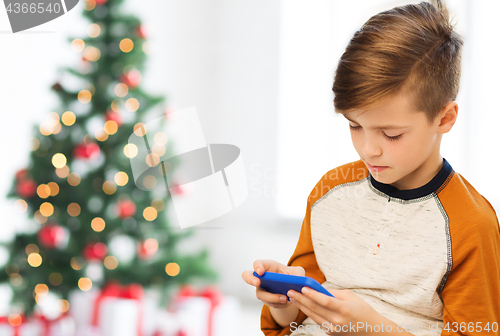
(471,295)
(303,256)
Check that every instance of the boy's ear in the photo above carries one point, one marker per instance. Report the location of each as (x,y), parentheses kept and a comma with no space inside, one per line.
(447,117)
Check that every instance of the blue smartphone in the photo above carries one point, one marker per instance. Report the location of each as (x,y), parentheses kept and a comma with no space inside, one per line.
(279,283)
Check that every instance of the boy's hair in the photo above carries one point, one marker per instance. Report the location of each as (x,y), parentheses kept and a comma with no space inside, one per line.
(412,49)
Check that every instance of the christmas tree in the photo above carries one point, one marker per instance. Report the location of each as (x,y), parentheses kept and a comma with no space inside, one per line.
(92,224)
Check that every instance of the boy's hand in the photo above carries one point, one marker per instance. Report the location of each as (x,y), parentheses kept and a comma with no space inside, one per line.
(341,314)
(261,266)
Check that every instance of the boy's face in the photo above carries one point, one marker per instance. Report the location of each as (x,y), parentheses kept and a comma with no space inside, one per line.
(410,151)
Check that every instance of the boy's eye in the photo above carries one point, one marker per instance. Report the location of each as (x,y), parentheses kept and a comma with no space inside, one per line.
(390,138)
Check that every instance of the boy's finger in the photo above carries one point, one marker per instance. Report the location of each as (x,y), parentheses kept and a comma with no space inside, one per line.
(264,295)
(262,265)
(250,278)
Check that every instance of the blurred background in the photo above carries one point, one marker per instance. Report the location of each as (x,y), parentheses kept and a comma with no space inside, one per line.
(259,74)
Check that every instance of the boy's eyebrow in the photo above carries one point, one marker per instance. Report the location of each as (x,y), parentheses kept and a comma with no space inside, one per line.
(384,127)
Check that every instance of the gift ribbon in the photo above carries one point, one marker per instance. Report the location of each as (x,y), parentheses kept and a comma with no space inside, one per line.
(5,319)
(46,322)
(115,290)
(210,293)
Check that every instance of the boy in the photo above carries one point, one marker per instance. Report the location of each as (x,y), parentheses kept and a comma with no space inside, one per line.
(404,243)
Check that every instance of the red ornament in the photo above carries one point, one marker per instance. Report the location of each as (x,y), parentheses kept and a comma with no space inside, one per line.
(116,117)
(100,2)
(147,249)
(95,251)
(22,174)
(125,208)
(177,189)
(86,151)
(140,31)
(131,78)
(51,236)
(187,291)
(26,188)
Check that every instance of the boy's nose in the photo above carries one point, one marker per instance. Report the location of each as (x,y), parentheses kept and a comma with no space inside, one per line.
(371,148)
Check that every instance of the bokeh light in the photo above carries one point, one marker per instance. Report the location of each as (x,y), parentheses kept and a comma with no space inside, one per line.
(84,96)
(140,129)
(98,224)
(109,187)
(74,209)
(172,269)
(77,45)
(43,191)
(92,53)
(54,188)
(161,138)
(93,30)
(110,127)
(110,262)
(68,118)
(121,178)
(59,160)
(76,263)
(62,172)
(74,179)
(149,181)
(55,278)
(152,159)
(126,45)
(121,90)
(32,248)
(150,214)
(132,104)
(46,209)
(130,151)
(21,205)
(85,284)
(34,259)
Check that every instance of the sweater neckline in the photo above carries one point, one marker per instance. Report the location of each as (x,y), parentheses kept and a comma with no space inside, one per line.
(430,187)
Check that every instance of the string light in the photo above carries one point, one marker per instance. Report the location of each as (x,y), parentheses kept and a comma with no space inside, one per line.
(43,191)
(115,105)
(68,118)
(149,181)
(151,245)
(74,209)
(84,284)
(94,30)
(21,205)
(41,289)
(172,269)
(62,172)
(126,45)
(59,160)
(76,263)
(160,138)
(146,47)
(39,218)
(121,90)
(158,204)
(121,178)
(101,135)
(34,259)
(54,188)
(35,144)
(92,54)
(32,248)
(90,5)
(46,209)
(16,280)
(110,127)
(140,129)
(84,96)
(15,320)
(110,262)
(109,187)
(77,45)
(150,214)
(74,179)
(159,149)
(130,151)
(55,279)
(152,159)
(132,104)
(63,306)
(98,224)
